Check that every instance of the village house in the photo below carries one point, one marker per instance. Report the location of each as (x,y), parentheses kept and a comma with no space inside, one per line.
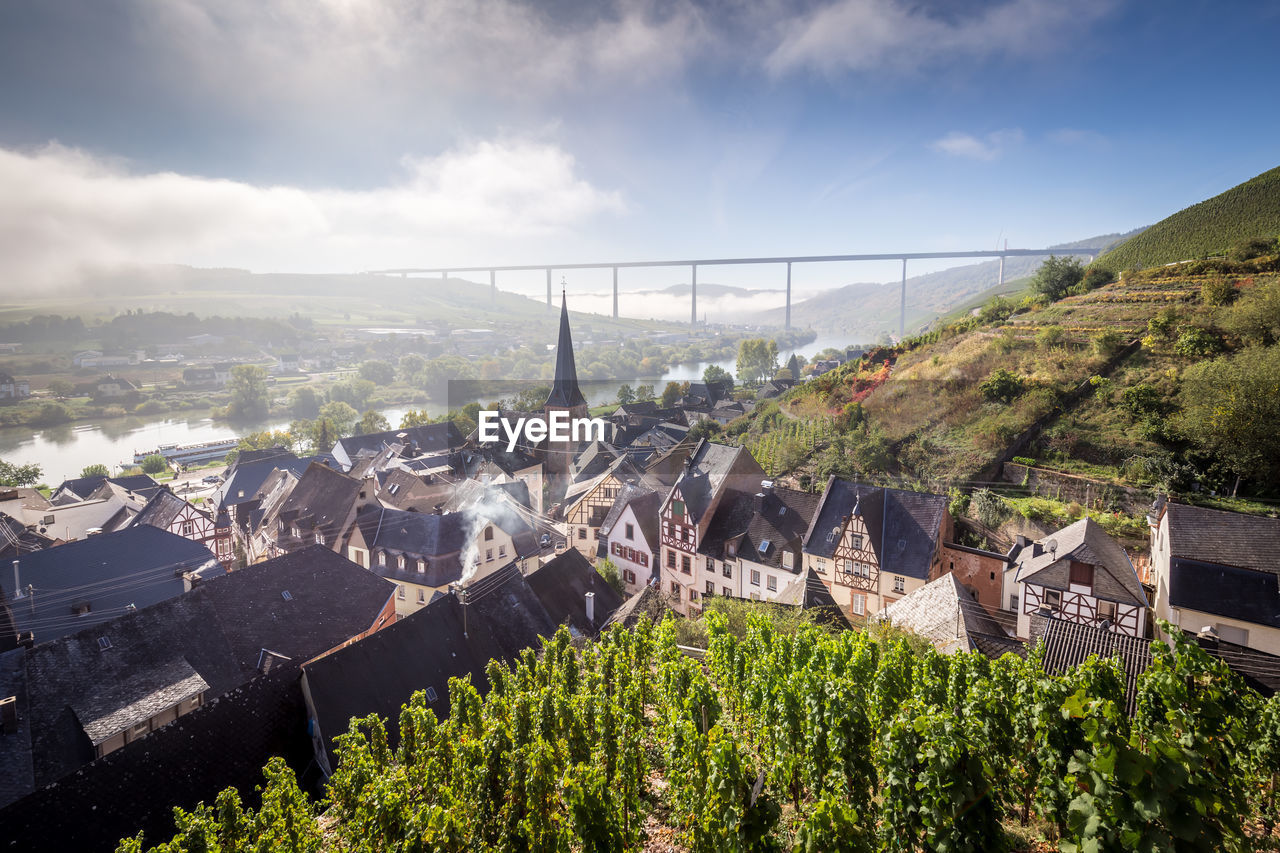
(588,503)
(169,512)
(1217,570)
(753,547)
(13,390)
(872,545)
(711,472)
(1079,574)
(629,535)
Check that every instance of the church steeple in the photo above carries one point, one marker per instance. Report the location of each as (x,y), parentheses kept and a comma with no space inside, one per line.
(565,393)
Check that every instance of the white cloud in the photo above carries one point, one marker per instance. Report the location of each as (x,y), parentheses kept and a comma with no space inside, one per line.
(989,147)
(64,211)
(870,35)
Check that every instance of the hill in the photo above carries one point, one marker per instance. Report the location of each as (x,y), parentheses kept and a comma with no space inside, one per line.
(1245,211)
(869,311)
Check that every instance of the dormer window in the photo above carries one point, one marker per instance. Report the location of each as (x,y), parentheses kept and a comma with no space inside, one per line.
(400,562)
(488,533)
(319,538)
(422,567)
(382,558)
(731,549)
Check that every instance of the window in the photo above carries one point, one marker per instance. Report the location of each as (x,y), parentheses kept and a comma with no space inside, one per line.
(675,590)
(1107,610)
(711,587)
(859,605)
(772,584)
(764,547)
(1082,573)
(855,540)
(400,592)
(643,559)
(382,558)
(711,564)
(732,549)
(422,596)
(726,570)
(686,566)
(693,595)
(726,591)
(488,555)
(422,567)
(677,508)
(631,531)
(488,533)
(431,694)
(820,566)
(899,583)
(788,559)
(671,559)
(140,729)
(103,644)
(286,595)
(755,578)
(400,562)
(848,567)
(1053,598)
(188,528)
(502,550)
(1013,603)
(628,576)
(755,596)
(582,533)
(319,538)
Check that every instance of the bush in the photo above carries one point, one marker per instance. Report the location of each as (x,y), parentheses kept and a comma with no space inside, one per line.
(1217,291)
(154,464)
(1196,342)
(1141,401)
(1247,250)
(1057,276)
(1003,386)
(1107,342)
(1096,277)
(1161,325)
(989,507)
(1049,336)
(1024,460)
(997,310)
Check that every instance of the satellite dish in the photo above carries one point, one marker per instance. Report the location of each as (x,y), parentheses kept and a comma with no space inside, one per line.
(1052,546)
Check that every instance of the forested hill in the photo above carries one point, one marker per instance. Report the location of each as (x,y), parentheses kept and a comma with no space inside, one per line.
(1212,227)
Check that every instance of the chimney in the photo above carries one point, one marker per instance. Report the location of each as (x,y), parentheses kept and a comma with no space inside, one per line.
(17,582)
(591,608)
(9,715)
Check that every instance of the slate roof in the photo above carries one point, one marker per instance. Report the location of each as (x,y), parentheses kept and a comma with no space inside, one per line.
(903,527)
(592,461)
(418,440)
(763,525)
(250,471)
(945,613)
(808,592)
(1068,644)
(645,502)
(379,673)
(1225,538)
(648,603)
(321,501)
(438,538)
(565,393)
(139,566)
(711,468)
(17,775)
(561,586)
(1086,542)
(16,539)
(161,511)
(160,687)
(1244,594)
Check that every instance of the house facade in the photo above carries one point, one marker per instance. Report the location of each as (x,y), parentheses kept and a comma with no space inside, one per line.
(12,390)
(1217,570)
(629,536)
(1079,574)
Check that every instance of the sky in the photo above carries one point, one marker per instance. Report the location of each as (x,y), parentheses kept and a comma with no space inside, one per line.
(352,135)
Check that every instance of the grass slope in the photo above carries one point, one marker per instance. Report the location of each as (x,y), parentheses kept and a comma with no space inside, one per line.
(1251,209)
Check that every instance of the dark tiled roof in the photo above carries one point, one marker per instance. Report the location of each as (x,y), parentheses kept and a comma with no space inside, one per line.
(161,510)
(648,603)
(331,600)
(418,440)
(252,469)
(561,586)
(139,566)
(321,501)
(645,502)
(1068,644)
(592,461)
(1244,594)
(438,538)
(17,777)
(1225,538)
(710,468)
(1083,541)
(809,593)
(379,673)
(903,527)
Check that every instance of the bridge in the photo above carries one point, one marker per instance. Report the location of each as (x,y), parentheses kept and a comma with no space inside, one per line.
(693,264)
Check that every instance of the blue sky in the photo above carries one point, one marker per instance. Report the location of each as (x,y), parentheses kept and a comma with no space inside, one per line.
(343,135)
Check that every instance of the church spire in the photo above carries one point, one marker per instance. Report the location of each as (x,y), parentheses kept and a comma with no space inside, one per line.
(565,393)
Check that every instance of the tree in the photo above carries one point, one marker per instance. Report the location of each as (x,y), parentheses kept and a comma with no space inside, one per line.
(415,417)
(644,393)
(249,397)
(1057,276)
(372,421)
(988,507)
(1002,386)
(353,392)
(304,403)
(18,475)
(410,366)
(670,394)
(608,570)
(757,359)
(154,464)
(705,428)
(626,394)
(378,372)
(716,373)
(61,388)
(342,418)
(95,470)
(1230,408)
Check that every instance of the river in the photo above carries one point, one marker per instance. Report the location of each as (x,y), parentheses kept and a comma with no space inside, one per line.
(63,451)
